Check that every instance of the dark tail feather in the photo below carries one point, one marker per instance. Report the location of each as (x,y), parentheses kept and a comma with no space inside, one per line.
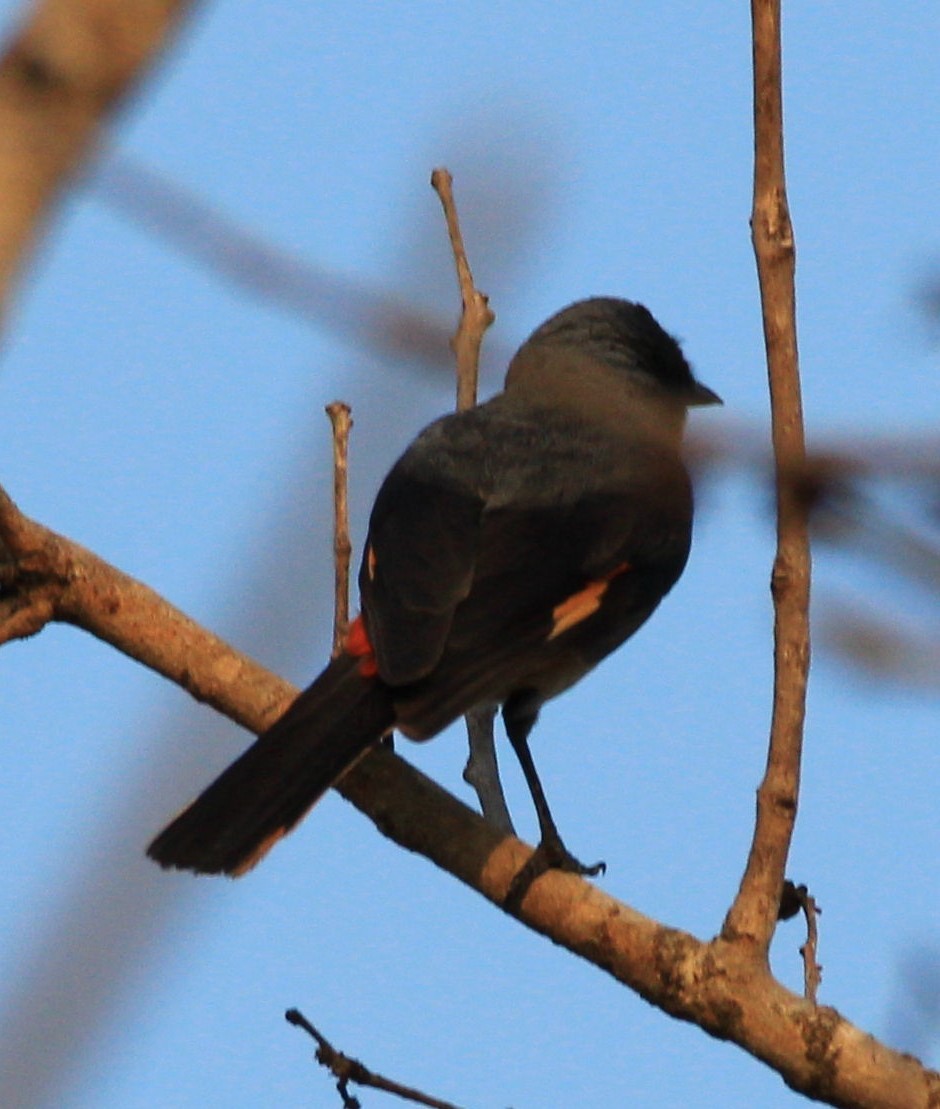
(235,822)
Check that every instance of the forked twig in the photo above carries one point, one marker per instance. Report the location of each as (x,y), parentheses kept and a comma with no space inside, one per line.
(477,315)
(349,1070)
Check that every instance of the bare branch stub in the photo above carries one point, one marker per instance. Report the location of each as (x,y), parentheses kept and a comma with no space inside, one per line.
(796,899)
(753,914)
(812,970)
(340,418)
(30,584)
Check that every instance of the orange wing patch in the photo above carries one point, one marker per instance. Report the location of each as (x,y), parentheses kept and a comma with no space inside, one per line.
(579,606)
(370,562)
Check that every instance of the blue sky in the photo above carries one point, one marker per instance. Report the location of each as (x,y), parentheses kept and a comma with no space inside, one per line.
(173,423)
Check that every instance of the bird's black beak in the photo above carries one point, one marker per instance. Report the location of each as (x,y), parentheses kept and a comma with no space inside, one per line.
(701,395)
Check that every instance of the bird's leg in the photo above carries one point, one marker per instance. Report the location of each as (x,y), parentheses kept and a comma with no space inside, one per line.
(551,853)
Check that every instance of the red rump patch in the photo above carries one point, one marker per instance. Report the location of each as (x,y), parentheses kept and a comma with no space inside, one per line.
(358,646)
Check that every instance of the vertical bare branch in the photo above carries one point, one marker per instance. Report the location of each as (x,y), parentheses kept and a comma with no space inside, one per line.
(754,912)
(482,770)
(339,413)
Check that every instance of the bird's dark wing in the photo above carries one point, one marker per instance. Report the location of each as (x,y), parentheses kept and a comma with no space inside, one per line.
(553,593)
(490,524)
(421,548)
(417,567)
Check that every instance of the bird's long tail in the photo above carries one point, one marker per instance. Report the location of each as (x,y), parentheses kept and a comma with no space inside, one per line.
(235,822)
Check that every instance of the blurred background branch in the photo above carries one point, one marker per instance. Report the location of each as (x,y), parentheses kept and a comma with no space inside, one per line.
(63,74)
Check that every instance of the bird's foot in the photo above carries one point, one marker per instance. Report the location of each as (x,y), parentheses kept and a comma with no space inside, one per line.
(551,854)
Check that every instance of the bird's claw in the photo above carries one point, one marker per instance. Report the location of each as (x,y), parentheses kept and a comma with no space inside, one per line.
(551,854)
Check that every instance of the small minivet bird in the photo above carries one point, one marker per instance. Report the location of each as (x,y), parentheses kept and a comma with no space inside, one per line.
(510,549)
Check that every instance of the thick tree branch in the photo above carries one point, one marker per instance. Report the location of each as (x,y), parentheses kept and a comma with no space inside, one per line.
(754,912)
(724,985)
(61,76)
(44,577)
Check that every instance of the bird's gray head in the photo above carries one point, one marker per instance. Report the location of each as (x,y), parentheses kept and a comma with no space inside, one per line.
(622,336)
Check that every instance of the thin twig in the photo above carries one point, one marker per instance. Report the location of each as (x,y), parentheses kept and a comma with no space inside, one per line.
(477,315)
(482,769)
(754,912)
(339,413)
(349,1070)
